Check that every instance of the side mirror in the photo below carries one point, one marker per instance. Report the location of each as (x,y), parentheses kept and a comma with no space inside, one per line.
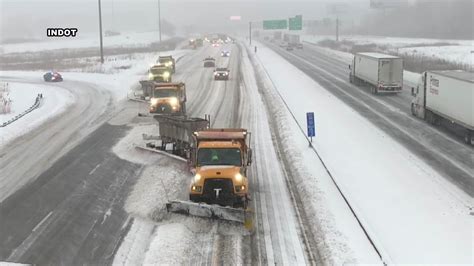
(249,159)
(349,66)
(412,91)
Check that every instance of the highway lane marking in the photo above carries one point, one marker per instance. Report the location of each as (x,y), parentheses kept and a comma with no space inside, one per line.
(42,221)
(93,170)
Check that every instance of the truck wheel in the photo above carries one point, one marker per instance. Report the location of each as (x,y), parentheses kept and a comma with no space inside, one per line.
(413,109)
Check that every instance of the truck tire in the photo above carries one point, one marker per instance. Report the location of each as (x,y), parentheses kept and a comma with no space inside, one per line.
(413,109)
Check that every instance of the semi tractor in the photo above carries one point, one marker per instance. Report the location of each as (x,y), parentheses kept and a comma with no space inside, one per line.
(165,98)
(218,158)
(382,73)
(447,98)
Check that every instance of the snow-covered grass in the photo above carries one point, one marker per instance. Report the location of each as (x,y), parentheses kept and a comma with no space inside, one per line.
(55,101)
(463,54)
(455,51)
(136,39)
(382,40)
(412,213)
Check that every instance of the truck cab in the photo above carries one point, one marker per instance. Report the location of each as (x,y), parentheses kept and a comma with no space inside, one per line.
(221,159)
(159,73)
(169,62)
(168,98)
(418,93)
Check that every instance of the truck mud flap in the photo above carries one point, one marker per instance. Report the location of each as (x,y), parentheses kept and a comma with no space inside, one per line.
(208,211)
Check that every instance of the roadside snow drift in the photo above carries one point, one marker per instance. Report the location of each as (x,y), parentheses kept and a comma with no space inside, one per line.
(413,214)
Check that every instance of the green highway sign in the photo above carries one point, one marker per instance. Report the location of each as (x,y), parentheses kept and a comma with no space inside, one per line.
(296,23)
(280,24)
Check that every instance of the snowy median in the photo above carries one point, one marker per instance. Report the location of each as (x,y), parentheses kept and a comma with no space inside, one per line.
(411,212)
(23,95)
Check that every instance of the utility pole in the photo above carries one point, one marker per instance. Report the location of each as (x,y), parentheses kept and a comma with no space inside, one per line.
(159,17)
(100,31)
(337,29)
(250,33)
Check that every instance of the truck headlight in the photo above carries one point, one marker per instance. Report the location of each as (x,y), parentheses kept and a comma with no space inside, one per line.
(238,177)
(168,63)
(166,75)
(174,101)
(150,76)
(197,177)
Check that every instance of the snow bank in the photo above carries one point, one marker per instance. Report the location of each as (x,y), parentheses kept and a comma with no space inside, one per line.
(55,101)
(338,236)
(413,214)
(135,39)
(382,40)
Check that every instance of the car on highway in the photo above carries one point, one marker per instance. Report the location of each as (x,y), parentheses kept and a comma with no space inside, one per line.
(215,44)
(209,62)
(289,47)
(52,76)
(221,73)
(299,46)
(283,44)
(225,53)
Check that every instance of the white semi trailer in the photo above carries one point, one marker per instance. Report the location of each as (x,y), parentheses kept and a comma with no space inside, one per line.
(383,73)
(446,96)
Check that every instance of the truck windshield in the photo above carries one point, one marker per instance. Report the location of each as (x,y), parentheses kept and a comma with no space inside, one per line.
(158,71)
(162,93)
(210,156)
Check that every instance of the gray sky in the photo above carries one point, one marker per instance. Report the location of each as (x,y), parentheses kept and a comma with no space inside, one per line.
(20,18)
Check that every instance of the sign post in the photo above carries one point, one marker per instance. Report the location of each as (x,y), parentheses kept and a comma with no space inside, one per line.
(310,126)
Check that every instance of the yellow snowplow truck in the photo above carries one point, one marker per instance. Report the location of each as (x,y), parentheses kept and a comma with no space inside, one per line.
(159,73)
(169,62)
(219,158)
(166,98)
(221,161)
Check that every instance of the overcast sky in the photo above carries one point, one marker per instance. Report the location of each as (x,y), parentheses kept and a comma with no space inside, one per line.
(31,17)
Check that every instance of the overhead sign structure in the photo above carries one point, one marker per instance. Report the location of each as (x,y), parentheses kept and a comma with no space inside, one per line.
(296,23)
(280,24)
(310,125)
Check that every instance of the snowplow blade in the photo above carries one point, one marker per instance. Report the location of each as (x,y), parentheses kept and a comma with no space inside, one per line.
(208,211)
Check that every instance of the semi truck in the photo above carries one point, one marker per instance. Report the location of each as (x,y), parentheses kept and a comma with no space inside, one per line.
(165,98)
(382,73)
(447,98)
(218,158)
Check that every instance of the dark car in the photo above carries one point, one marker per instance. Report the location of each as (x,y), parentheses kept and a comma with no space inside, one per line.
(221,74)
(209,62)
(52,77)
(289,47)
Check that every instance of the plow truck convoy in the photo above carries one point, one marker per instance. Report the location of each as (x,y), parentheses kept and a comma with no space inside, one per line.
(446,98)
(382,73)
(165,98)
(219,159)
(159,73)
(169,62)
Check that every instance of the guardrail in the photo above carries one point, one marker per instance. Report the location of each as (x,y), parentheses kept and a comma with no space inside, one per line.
(37,103)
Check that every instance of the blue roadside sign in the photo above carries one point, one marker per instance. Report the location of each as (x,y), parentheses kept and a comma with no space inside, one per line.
(310,124)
